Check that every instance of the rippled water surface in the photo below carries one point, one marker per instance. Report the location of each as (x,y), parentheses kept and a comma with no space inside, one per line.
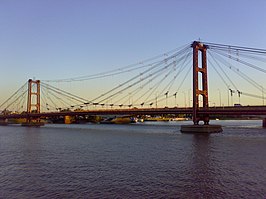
(148,160)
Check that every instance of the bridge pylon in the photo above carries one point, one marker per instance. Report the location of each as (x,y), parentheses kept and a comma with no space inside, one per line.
(200,88)
(33,103)
(200,81)
(34,97)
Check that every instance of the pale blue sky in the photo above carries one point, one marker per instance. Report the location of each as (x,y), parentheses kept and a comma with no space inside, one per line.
(54,39)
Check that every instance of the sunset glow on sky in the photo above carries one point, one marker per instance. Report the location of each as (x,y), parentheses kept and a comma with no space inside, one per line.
(57,39)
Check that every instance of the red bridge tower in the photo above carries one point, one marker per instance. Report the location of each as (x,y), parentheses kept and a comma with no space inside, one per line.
(200,81)
(33,103)
(200,89)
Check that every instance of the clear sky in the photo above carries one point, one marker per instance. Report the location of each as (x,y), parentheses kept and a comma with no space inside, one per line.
(54,39)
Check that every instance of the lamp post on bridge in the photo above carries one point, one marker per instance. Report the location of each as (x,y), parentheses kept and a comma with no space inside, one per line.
(175,98)
(239,93)
(228,95)
(166,96)
(262,93)
(231,92)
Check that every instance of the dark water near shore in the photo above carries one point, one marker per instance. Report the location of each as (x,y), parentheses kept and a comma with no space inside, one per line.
(149,160)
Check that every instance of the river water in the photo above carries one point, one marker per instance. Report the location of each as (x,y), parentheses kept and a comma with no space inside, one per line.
(147,160)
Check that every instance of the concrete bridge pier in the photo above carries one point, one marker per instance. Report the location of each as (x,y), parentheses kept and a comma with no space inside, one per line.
(30,122)
(201,128)
(264,123)
(68,119)
(3,122)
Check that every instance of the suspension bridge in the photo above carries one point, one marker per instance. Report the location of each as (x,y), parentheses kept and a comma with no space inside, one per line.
(155,86)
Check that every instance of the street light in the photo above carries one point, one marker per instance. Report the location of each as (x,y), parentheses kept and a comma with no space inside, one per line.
(231,92)
(166,96)
(228,96)
(239,93)
(262,92)
(175,97)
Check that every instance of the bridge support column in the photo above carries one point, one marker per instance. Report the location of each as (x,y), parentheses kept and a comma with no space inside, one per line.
(264,123)
(68,119)
(33,104)
(3,122)
(200,88)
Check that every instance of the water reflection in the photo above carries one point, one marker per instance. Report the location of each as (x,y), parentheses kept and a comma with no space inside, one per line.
(202,167)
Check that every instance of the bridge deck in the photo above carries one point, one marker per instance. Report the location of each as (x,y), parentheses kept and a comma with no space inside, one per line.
(220,111)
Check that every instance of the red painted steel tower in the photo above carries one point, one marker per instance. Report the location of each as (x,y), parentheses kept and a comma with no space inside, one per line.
(200,82)
(33,104)
(200,93)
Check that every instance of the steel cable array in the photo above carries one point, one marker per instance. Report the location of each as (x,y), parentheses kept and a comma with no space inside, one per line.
(225,59)
(153,81)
